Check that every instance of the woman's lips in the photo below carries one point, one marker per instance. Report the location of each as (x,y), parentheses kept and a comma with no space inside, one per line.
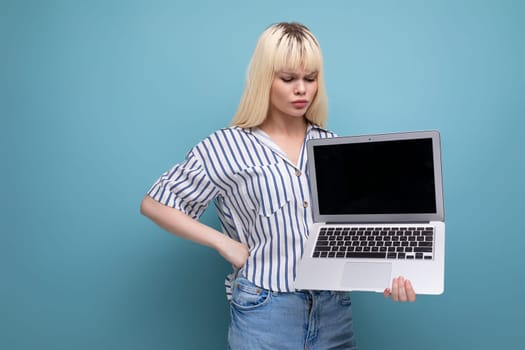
(300,104)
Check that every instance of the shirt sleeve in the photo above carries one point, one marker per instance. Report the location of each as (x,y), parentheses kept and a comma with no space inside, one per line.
(185,187)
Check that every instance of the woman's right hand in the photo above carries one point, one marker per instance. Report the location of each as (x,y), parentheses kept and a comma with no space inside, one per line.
(234,252)
(180,224)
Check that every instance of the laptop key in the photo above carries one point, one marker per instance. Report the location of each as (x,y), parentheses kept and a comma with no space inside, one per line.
(370,255)
(322,249)
(423,250)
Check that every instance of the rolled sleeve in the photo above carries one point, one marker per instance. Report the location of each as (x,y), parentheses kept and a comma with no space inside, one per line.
(185,187)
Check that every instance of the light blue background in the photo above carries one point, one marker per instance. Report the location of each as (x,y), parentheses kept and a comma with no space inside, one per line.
(98,98)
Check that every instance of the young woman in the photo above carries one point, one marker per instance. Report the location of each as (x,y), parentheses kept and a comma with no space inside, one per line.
(256,172)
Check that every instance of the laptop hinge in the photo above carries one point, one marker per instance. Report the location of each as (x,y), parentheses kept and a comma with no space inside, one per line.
(378,223)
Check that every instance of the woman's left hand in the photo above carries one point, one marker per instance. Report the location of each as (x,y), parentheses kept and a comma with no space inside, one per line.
(402,290)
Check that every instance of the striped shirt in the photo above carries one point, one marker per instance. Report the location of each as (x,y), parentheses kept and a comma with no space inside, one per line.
(262,198)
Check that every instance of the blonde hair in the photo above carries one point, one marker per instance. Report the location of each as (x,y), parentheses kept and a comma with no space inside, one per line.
(281,46)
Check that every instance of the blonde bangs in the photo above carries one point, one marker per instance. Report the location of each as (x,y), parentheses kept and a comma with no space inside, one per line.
(291,53)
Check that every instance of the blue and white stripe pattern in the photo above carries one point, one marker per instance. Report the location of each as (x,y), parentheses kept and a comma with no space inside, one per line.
(262,199)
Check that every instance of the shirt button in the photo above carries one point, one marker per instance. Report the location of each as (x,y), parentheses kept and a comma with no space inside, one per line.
(305,204)
(297,173)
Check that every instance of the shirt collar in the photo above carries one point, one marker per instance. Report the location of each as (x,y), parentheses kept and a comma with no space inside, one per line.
(267,141)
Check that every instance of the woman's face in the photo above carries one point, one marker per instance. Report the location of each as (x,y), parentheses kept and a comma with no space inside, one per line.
(292,93)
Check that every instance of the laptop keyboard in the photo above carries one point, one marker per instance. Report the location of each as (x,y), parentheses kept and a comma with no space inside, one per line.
(375,242)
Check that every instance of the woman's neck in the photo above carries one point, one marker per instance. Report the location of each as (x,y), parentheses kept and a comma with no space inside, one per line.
(292,127)
(288,134)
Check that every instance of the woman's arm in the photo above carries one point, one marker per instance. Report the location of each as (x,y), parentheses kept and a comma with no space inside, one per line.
(184,226)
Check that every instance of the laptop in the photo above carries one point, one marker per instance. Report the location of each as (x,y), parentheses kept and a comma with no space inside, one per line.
(378,213)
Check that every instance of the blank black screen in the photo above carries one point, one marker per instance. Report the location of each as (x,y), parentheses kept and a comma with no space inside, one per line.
(386,177)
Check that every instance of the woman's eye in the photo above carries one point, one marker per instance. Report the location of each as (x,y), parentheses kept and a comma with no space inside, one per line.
(287,79)
(310,79)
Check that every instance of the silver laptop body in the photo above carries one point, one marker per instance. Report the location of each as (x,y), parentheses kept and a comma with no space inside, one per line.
(378,213)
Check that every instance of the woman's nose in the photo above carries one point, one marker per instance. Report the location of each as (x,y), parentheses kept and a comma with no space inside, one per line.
(300,88)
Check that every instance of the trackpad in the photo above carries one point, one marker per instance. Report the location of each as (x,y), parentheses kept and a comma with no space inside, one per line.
(369,276)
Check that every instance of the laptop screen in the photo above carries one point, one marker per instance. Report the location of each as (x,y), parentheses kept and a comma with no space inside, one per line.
(378,177)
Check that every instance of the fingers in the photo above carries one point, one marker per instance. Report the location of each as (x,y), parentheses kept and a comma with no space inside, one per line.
(240,255)
(234,252)
(402,290)
(395,289)
(411,294)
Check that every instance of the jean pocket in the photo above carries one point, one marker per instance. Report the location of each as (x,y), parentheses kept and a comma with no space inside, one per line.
(247,296)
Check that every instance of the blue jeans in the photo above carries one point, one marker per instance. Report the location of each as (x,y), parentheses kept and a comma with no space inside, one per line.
(313,320)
